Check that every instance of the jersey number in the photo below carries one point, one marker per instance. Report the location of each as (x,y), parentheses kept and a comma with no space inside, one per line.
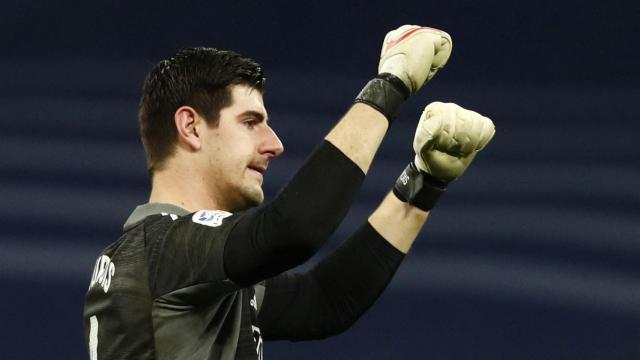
(93,338)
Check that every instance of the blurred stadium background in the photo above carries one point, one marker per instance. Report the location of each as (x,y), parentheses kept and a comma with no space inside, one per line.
(534,254)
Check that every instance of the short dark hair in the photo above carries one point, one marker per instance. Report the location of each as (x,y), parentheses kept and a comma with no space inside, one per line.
(199,77)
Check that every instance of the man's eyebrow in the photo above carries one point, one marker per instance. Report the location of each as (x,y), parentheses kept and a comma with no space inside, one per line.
(257,114)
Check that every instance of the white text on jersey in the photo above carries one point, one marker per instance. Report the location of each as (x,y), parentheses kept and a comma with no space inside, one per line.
(103,272)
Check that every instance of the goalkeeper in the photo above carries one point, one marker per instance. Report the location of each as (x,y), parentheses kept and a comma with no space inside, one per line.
(200,271)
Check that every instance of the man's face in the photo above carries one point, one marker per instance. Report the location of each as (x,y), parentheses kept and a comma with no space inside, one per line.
(238,150)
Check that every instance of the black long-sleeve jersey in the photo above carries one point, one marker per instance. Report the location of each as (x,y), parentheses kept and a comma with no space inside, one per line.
(210,284)
(161,291)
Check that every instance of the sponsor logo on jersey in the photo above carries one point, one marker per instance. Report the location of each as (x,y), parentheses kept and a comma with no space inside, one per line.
(211,218)
(103,271)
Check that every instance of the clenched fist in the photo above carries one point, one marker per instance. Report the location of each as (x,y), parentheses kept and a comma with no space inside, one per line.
(447,139)
(414,54)
(411,55)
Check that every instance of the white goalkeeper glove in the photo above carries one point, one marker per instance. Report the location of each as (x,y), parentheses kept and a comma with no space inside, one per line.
(414,54)
(411,55)
(447,139)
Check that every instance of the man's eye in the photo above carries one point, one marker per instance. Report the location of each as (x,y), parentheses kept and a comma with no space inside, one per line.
(250,123)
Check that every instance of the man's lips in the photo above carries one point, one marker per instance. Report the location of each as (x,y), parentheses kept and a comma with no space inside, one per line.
(259,168)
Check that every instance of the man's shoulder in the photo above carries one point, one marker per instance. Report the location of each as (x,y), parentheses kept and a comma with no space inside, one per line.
(202,225)
(141,218)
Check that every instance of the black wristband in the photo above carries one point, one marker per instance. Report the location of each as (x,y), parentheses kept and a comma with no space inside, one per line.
(418,188)
(385,93)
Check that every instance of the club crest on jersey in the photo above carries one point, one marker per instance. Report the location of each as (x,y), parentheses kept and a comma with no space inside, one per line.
(211,218)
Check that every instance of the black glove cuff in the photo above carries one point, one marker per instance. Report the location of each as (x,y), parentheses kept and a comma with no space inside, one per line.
(418,188)
(385,93)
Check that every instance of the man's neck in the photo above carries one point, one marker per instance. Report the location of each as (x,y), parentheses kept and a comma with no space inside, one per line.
(181,189)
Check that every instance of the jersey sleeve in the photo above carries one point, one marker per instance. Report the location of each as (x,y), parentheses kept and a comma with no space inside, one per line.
(327,300)
(290,229)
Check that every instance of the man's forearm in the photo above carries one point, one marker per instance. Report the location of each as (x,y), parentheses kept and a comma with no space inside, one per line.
(398,222)
(359,134)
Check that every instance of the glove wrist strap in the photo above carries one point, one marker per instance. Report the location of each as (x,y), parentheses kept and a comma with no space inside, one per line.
(385,93)
(418,188)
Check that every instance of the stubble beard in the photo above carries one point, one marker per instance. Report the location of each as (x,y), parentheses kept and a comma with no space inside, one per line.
(253,196)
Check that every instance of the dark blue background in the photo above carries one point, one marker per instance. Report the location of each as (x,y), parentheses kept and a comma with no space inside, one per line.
(534,254)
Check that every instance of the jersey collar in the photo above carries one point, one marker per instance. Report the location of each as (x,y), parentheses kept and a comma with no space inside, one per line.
(144,210)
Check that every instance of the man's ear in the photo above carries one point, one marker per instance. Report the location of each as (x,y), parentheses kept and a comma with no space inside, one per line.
(186,119)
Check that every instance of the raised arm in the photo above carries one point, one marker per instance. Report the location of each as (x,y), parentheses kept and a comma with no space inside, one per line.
(290,229)
(333,295)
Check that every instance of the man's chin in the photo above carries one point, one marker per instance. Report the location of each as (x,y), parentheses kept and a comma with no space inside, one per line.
(252,198)
(255,201)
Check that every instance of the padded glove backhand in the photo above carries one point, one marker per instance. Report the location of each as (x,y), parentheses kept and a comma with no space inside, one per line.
(447,139)
(414,54)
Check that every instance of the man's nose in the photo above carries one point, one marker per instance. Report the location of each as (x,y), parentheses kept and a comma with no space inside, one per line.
(271,143)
